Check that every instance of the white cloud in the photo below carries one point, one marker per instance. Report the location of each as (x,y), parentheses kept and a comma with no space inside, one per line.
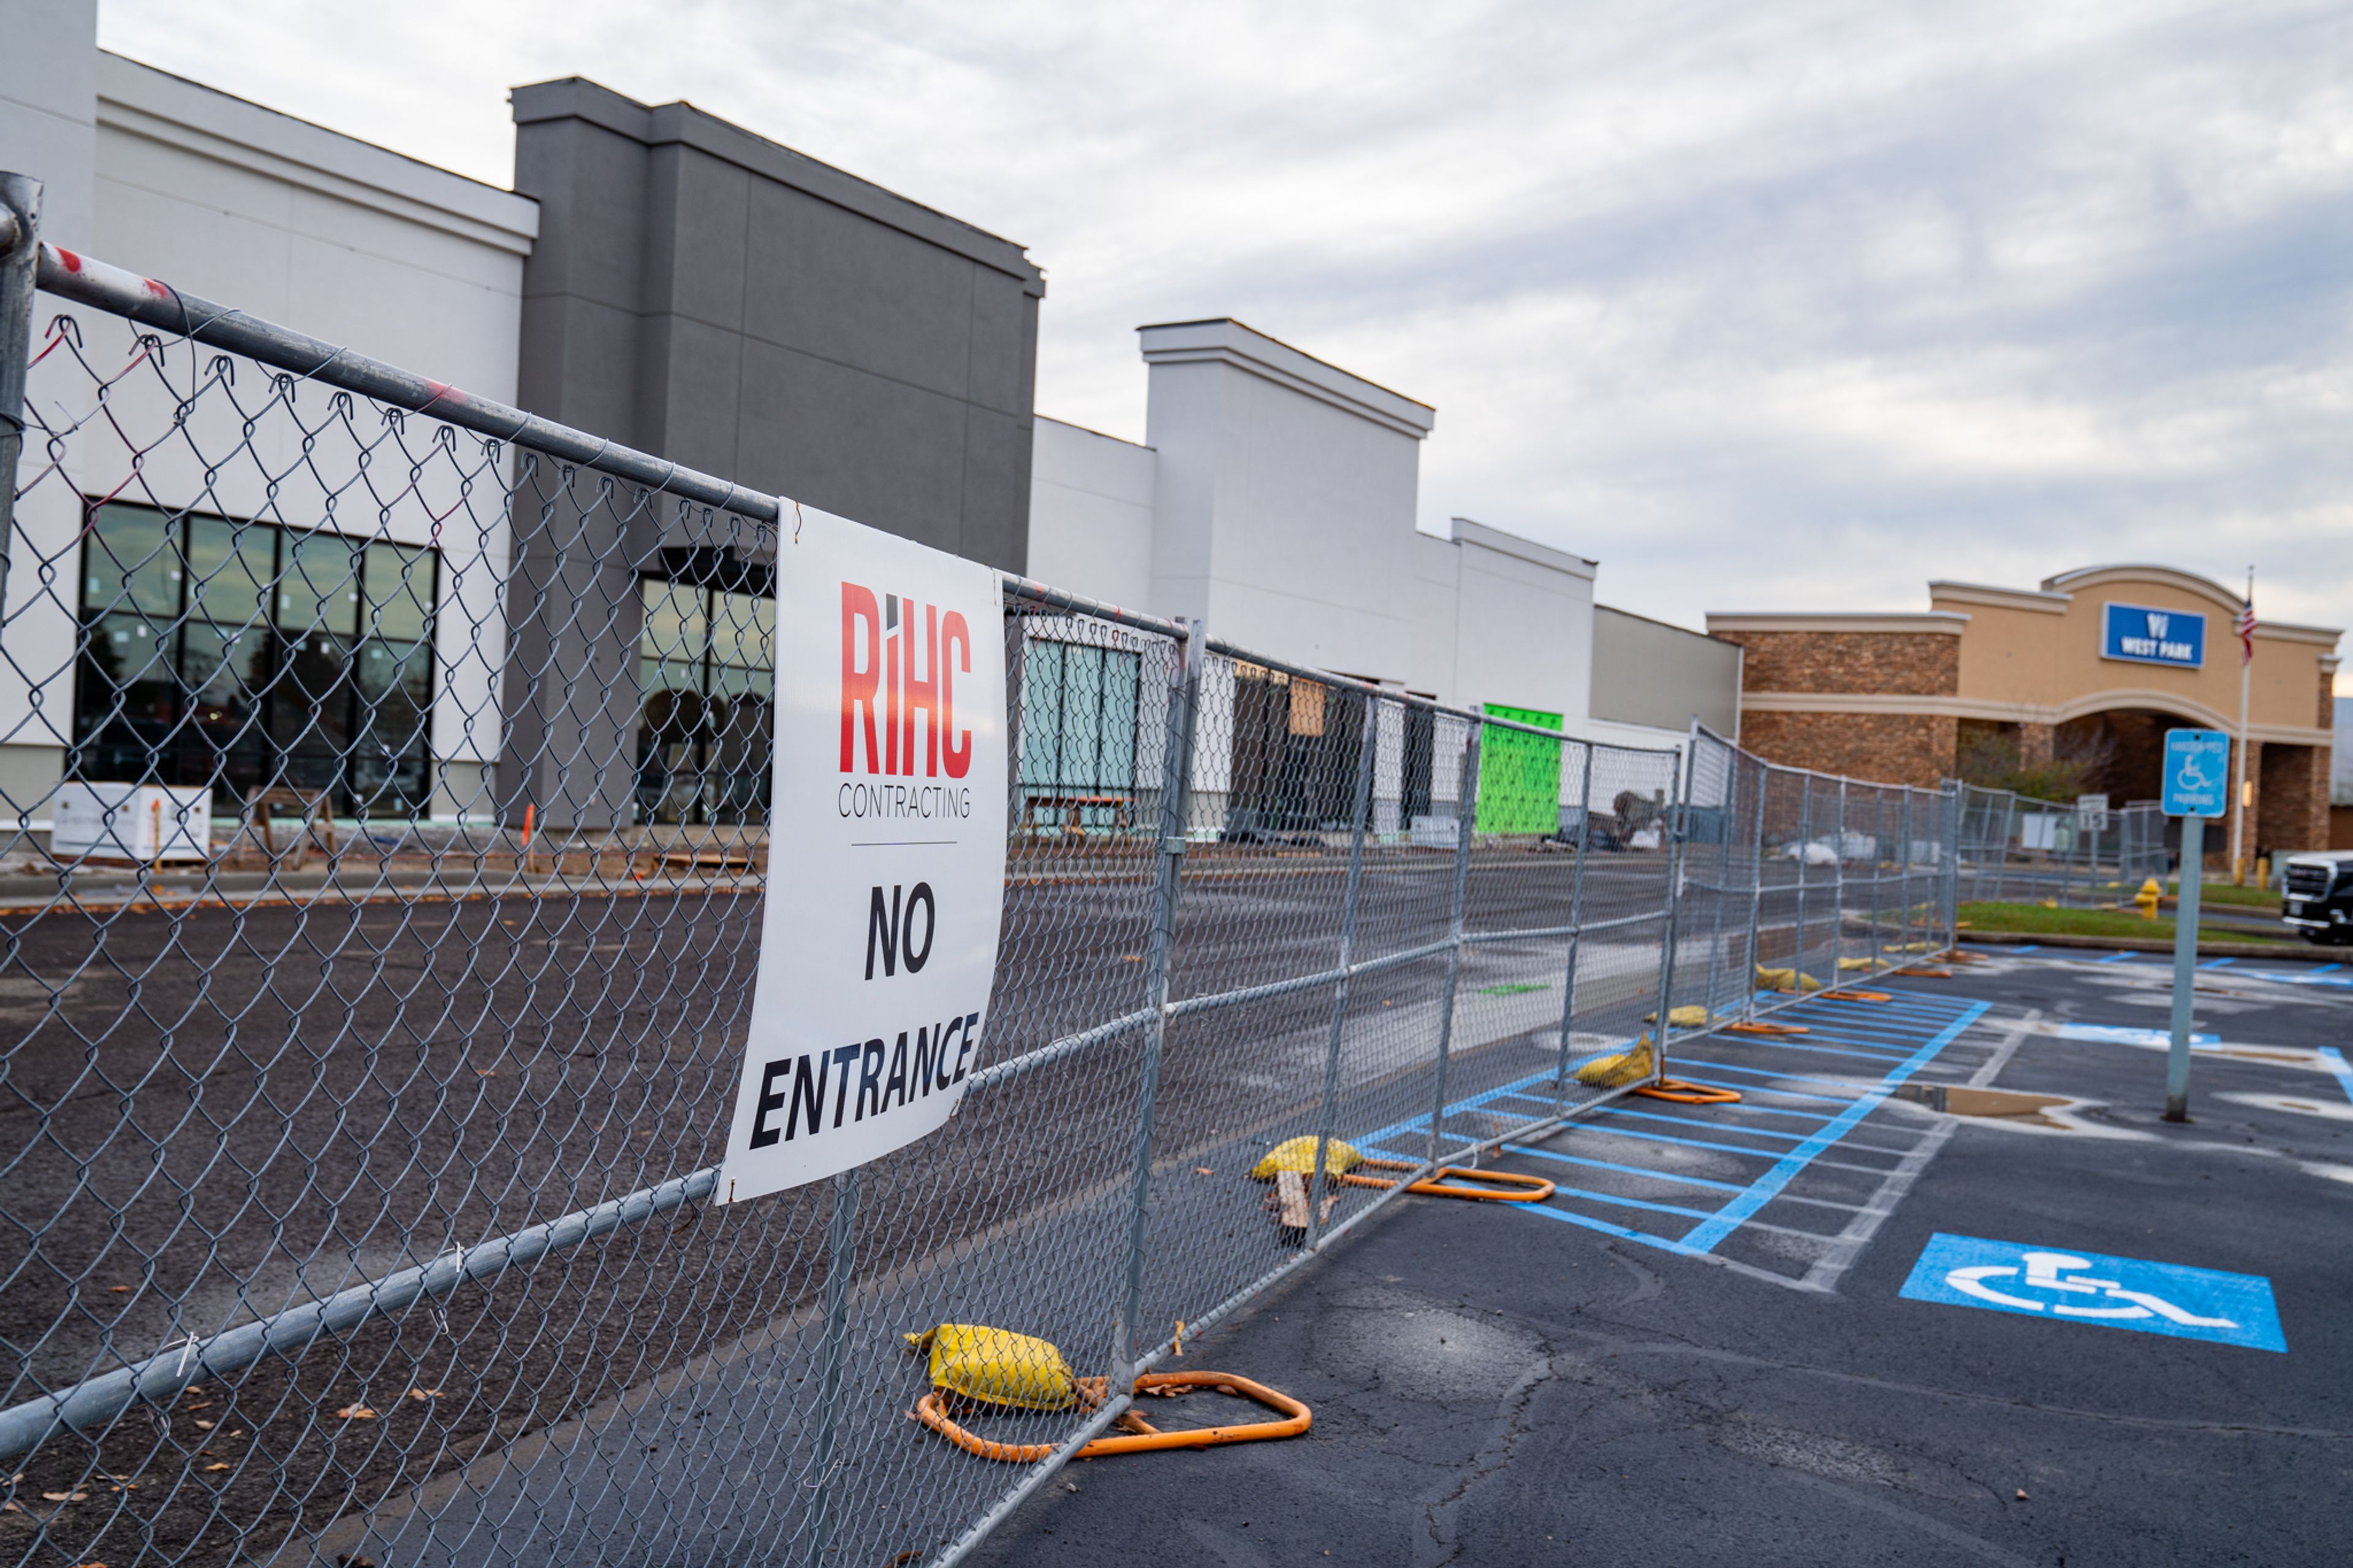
(1786,306)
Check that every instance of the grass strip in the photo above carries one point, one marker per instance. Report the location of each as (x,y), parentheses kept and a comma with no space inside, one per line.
(2033,919)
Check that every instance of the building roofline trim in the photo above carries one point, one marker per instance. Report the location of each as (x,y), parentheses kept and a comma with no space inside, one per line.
(2288,631)
(2142,572)
(681,124)
(1098,435)
(1226,340)
(1946,623)
(2001,598)
(1670,625)
(1470,530)
(1937,707)
(143,100)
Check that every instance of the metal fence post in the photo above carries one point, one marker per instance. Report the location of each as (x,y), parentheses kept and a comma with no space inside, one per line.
(1838,887)
(1798,947)
(840,1261)
(1678,814)
(1369,741)
(1575,927)
(1464,809)
(1755,896)
(1903,886)
(1723,880)
(1953,871)
(20,256)
(2001,860)
(1176,787)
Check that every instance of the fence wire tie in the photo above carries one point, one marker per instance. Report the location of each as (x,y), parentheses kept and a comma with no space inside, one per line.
(457,1278)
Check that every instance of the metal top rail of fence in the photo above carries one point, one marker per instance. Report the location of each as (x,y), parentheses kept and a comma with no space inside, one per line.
(364,1210)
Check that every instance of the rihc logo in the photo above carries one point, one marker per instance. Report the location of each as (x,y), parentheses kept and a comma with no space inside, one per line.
(882,690)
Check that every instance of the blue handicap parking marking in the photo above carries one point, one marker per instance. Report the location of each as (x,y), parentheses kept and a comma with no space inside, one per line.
(2089,1288)
(2333,1061)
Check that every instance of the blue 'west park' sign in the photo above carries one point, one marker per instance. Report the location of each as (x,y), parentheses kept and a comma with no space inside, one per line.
(2143,635)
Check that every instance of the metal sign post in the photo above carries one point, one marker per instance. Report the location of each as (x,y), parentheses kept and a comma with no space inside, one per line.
(2197,763)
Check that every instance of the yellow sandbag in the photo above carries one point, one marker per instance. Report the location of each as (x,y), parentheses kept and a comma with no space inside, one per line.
(1299,1154)
(1688,1016)
(1786,980)
(1616,1072)
(1848,963)
(1904,947)
(997,1367)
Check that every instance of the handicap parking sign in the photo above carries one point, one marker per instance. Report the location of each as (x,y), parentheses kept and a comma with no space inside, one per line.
(2196,780)
(2090,1287)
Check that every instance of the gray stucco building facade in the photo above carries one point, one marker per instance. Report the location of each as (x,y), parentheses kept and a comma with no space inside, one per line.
(709,295)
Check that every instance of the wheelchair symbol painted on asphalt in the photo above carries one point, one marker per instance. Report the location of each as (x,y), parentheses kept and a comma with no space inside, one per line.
(2110,1292)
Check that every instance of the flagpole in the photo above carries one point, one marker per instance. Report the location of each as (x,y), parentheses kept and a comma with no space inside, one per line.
(2239,783)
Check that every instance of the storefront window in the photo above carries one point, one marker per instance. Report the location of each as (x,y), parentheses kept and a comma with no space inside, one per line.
(705,730)
(245,656)
(1078,734)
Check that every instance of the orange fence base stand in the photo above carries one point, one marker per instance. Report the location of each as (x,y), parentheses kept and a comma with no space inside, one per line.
(1759,1028)
(1854,996)
(1684,1093)
(1137,1435)
(1511,1189)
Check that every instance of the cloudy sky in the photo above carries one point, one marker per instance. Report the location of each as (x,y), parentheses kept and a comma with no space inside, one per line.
(1780,307)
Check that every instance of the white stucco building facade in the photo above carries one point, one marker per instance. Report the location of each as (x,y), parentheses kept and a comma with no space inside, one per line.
(352,243)
(1275,496)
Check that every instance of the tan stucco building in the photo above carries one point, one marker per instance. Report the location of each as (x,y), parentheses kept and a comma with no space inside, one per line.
(2095,663)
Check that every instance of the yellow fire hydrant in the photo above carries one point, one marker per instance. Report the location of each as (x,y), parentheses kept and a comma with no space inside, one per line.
(2148,898)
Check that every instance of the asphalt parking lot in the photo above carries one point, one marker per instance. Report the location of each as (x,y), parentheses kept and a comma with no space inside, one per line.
(222,1112)
(1491,1388)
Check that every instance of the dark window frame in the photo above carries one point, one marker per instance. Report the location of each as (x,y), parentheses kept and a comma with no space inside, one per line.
(1048,801)
(744,794)
(177,749)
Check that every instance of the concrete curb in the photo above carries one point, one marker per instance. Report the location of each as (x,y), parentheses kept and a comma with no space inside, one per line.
(2301,954)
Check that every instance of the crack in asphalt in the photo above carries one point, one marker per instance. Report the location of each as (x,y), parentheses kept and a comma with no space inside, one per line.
(1438,1515)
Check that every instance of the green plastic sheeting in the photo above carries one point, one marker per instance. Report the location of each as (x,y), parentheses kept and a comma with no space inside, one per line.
(1519,773)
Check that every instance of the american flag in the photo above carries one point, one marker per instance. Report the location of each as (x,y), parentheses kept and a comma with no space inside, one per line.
(2245,624)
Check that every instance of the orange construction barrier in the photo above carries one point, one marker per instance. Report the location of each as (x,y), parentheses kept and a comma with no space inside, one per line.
(1684,1093)
(1854,996)
(1137,1434)
(1521,1189)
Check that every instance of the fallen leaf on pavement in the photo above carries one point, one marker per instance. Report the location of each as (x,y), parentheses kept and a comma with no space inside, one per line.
(355,1413)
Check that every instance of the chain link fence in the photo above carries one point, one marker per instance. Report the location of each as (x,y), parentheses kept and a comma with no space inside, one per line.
(2016,849)
(377,965)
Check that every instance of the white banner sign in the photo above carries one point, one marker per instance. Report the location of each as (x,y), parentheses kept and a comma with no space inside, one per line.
(886,856)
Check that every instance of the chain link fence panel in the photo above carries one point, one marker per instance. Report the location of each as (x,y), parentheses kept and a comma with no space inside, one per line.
(364,1114)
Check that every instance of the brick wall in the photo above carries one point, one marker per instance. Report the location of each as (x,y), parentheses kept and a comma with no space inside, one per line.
(1884,748)
(2291,796)
(1912,664)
